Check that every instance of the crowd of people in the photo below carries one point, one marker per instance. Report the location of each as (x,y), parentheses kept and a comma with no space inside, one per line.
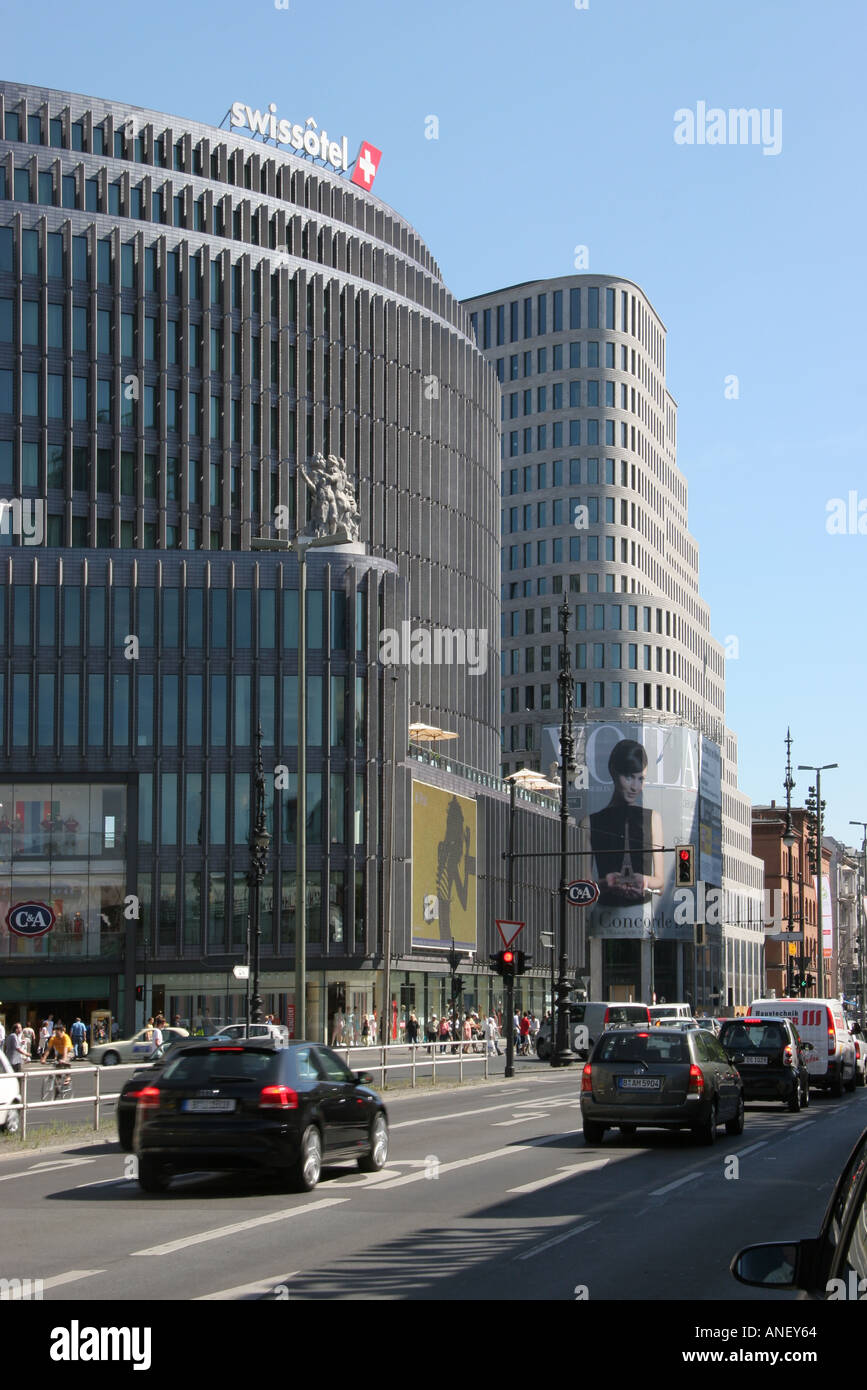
(484,1033)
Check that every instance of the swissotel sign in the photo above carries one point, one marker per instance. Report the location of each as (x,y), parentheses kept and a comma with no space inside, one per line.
(310,139)
(30,919)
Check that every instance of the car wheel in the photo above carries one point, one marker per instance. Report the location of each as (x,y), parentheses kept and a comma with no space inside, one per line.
(374,1161)
(110,1059)
(805,1098)
(13,1121)
(736,1126)
(706,1133)
(152,1175)
(543,1051)
(593,1132)
(794,1102)
(305,1174)
(860,1079)
(850,1085)
(125,1128)
(837,1087)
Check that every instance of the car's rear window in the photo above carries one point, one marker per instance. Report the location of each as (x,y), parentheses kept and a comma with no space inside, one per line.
(225,1064)
(742,1037)
(634,1047)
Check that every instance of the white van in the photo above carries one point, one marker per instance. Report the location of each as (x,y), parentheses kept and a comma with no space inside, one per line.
(822,1022)
(669,1011)
(587,1023)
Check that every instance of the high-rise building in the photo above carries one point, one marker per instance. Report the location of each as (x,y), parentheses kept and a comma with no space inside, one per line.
(187,316)
(595,506)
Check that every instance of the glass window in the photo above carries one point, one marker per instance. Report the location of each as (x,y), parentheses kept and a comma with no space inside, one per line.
(171,617)
(169,808)
(170,711)
(242,808)
(96,709)
(242,711)
(20,703)
(194,701)
(120,710)
(45,710)
(219,617)
(145,719)
(219,698)
(243,618)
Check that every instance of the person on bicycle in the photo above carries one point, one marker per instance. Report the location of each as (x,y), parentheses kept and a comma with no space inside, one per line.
(61,1051)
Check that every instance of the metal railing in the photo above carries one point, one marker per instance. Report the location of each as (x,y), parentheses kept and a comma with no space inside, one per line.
(435,1055)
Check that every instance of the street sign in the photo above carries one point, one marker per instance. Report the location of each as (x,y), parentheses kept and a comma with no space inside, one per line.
(241,972)
(784,936)
(504,926)
(582,893)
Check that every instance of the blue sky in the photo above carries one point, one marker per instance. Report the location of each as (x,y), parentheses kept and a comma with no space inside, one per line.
(556,129)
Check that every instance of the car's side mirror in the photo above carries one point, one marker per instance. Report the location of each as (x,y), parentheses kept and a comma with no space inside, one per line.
(363,1078)
(767,1266)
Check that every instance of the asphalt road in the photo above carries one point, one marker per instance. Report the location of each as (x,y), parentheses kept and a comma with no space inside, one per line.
(489,1193)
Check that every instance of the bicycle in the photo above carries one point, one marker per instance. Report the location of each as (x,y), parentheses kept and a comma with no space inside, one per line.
(59,1085)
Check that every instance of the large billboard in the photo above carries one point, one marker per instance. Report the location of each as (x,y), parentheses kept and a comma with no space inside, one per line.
(639,790)
(443,868)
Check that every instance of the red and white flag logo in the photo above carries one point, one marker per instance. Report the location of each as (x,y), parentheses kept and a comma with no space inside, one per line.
(366,165)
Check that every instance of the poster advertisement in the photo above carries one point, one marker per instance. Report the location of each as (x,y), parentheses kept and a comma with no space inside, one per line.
(640,789)
(444,854)
(827,918)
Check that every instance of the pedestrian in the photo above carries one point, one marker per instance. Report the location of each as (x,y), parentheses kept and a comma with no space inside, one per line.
(445,1032)
(78,1033)
(337,1029)
(44,1035)
(492,1035)
(157,1040)
(524,1030)
(16,1049)
(30,1039)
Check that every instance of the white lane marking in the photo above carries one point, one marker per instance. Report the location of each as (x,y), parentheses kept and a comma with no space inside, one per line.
(104,1182)
(742,1153)
(218,1232)
(520,1119)
(71,1276)
(484,1110)
(454,1166)
(48,1168)
(259,1286)
(557,1240)
(560,1176)
(690,1177)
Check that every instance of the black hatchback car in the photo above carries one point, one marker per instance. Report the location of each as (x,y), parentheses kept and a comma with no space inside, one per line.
(660,1078)
(771,1058)
(257,1105)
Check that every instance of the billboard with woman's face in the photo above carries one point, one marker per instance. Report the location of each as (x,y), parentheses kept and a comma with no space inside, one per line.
(636,795)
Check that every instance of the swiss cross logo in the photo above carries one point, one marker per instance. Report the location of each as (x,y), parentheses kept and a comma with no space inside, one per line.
(366,165)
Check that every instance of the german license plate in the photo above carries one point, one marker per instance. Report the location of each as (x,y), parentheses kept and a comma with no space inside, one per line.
(211,1106)
(639,1083)
(757,1061)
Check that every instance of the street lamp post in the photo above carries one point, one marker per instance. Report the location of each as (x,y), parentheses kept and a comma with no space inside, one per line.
(563,1056)
(789,840)
(820,959)
(260,844)
(862,931)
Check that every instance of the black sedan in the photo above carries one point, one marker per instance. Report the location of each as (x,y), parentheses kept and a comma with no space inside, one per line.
(660,1078)
(261,1106)
(771,1058)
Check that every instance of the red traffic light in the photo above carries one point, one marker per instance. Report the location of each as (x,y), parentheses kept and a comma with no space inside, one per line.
(508,957)
(684,854)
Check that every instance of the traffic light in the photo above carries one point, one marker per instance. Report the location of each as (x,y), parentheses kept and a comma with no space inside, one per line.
(685,859)
(520,962)
(139,993)
(508,970)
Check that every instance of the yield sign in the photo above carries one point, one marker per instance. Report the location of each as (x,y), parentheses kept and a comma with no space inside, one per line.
(503,927)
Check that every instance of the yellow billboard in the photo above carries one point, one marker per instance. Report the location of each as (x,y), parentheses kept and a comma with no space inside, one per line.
(443,868)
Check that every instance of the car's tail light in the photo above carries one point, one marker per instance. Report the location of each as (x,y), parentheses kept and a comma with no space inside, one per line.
(832,1035)
(587,1078)
(788,1060)
(278,1098)
(149,1098)
(696,1081)
(605,1019)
